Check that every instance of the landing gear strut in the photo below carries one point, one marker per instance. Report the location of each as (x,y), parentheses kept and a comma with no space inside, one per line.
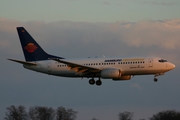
(155,76)
(92,82)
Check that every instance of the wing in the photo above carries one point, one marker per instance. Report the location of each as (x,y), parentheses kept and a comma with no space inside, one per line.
(80,69)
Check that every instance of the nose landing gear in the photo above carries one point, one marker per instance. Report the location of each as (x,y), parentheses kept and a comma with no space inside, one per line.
(155,79)
(155,76)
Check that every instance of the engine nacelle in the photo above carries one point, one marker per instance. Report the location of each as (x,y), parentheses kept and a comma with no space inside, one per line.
(111,73)
(124,77)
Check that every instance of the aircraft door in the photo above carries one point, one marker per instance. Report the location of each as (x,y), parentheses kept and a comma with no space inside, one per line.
(150,62)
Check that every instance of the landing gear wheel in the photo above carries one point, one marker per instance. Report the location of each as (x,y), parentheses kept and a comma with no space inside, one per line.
(98,82)
(91,81)
(155,79)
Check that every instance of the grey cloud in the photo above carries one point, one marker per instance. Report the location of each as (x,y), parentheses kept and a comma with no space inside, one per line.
(83,39)
(160,3)
(153,33)
(106,3)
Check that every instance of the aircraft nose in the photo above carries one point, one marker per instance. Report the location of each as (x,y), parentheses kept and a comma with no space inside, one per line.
(172,66)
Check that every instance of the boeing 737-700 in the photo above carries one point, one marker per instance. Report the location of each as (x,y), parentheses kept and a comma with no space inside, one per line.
(117,69)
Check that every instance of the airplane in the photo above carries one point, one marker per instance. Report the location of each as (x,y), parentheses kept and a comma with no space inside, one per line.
(117,69)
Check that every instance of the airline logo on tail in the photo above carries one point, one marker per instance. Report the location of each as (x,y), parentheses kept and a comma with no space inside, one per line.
(30,47)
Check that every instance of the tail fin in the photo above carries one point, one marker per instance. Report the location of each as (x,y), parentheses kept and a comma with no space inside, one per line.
(32,51)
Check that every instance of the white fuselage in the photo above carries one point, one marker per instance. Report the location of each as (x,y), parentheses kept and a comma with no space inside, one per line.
(127,66)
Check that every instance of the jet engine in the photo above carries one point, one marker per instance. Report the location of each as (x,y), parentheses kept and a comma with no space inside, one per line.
(112,73)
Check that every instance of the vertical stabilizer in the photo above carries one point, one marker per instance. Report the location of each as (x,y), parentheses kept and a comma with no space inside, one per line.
(32,51)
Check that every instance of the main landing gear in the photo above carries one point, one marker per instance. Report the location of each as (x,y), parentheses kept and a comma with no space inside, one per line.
(92,82)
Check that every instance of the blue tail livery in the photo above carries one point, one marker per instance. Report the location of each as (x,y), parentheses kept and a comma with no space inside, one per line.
(31,49)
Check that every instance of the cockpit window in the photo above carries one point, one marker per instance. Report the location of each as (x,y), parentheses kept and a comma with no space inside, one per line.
(162,60)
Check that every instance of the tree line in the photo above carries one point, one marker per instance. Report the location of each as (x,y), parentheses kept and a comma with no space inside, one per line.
(61,113)
(39,113)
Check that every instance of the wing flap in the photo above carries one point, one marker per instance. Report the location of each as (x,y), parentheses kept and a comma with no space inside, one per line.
(77,67)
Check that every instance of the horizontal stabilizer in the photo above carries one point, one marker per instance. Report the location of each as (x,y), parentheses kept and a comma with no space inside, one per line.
(23,62)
